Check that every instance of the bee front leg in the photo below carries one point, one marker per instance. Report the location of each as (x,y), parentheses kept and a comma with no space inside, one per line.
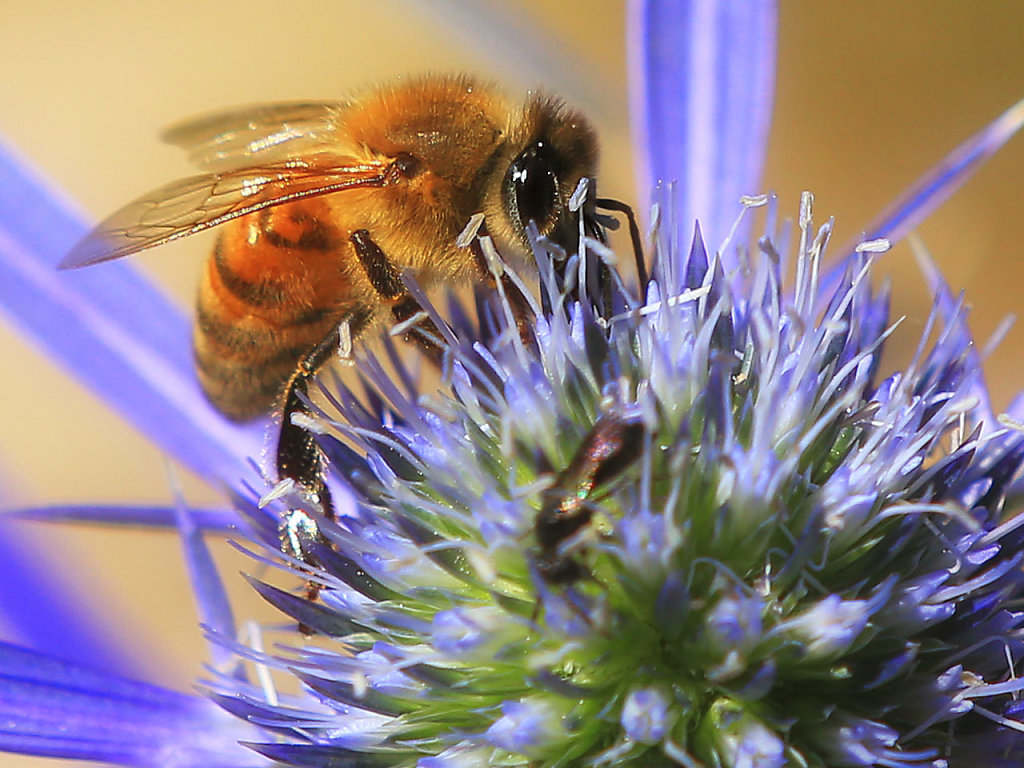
(518,303)
(609,204)
(387,282)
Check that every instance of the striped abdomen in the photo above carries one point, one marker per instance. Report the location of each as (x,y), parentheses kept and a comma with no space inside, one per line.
(273,288)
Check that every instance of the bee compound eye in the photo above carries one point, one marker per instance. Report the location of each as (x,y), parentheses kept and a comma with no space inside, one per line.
(531,187)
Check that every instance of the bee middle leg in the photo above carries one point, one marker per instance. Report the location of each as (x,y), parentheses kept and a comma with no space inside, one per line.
(423,333)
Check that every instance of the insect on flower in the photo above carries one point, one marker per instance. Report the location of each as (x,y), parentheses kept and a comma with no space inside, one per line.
(324,206)
(611,445)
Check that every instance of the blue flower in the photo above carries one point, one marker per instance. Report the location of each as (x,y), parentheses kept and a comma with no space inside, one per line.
(763,548)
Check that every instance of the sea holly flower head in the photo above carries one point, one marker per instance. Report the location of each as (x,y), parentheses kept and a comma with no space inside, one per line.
(696,521)
(803,561)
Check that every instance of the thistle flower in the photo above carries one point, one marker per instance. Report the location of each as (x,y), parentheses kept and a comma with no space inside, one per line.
(774,551)
(803,562)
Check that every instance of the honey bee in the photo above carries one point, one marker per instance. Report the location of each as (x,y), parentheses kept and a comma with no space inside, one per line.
(321,208)
(611,445)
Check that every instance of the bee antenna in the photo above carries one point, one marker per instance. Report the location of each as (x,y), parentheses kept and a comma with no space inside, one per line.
(610,204)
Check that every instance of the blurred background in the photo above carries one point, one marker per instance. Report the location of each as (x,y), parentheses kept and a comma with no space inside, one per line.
(867,100)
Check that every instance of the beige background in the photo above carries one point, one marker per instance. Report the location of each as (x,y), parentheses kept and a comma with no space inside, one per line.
(867,100)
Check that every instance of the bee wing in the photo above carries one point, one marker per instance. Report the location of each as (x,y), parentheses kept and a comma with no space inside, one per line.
(256,135)
(191,205)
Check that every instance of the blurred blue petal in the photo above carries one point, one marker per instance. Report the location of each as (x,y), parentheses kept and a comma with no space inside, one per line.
(935,187)
(126,341)
(212,520)
(207,587)
(48,614)
(702,84)
(55,709)
(111,328)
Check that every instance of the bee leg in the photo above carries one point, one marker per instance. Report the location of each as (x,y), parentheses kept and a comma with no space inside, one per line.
(300,459)
(386,280)
(610,204)
(521,310)
(422,332)
(383,276)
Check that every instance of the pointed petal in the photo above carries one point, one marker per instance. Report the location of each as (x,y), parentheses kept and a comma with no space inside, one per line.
(111,328)
(46,612)
(936,186)
(56,709)
(947,308)
(702,82)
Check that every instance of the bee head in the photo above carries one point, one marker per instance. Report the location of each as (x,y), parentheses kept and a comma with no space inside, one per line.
(549,149)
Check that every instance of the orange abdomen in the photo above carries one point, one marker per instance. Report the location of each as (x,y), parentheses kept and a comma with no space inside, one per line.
(274,287)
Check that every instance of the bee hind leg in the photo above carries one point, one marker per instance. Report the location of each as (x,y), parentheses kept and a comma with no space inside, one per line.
(300,459)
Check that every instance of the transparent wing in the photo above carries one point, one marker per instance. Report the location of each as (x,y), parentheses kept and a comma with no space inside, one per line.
(191,205)
(262,134)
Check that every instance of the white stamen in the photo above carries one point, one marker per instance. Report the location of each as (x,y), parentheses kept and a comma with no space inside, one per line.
(309,423)
(494,263)
(579,195)
(497,267)
(344,343)
(400,329)
(966,405)
(606,254)
(881,245)
(1008,421)
(468,233)
(672,301)
(806,206)
(283,487)
(724,245)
